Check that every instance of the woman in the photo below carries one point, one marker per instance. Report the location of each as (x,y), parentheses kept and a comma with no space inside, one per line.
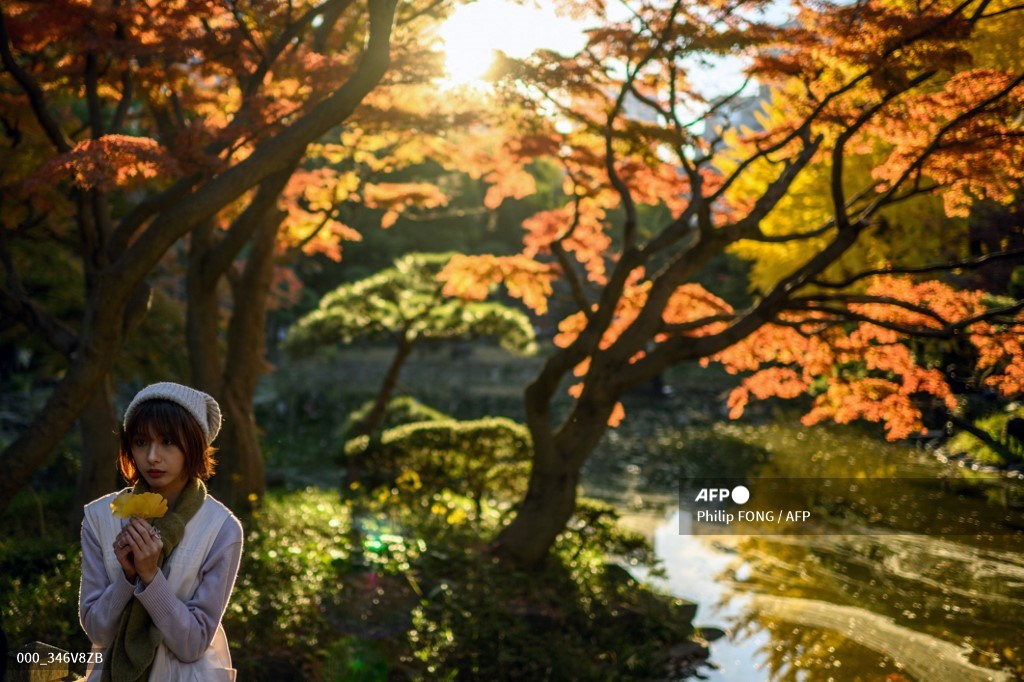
(153,593)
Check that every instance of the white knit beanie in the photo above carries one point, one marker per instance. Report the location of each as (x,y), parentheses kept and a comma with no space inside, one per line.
(200,405)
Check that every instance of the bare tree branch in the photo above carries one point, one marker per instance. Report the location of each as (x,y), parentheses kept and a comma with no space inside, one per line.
(92,95)
(219,258)
(838,192)
(997,13)
(683,327)
(769,199)
(558,248)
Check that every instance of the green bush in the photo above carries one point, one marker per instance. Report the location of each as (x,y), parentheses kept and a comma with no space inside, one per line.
(43,606)
(577,618)
(481,458)
(419,598)
(400,411)
(40,570)
(275,620)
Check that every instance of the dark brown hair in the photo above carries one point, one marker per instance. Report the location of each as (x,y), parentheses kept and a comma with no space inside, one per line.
(170,420)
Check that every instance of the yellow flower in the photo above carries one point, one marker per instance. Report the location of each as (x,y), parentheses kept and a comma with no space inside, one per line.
(143,505)
(409,480)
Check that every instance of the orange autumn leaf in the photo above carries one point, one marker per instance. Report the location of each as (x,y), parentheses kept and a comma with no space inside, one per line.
(472,277)
(871,371)
(580,230)
(617,415)
(108,162)
(395,197)
(688,303)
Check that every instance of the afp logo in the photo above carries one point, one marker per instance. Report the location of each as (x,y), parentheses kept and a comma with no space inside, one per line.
(740,494)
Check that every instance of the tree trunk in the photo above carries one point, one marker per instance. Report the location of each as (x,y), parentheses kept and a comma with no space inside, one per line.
(545,510)
(558,458)
(202,316)
(234,383)
(387,388)
(98,345)
(356,464)
(98,424)
(242,477)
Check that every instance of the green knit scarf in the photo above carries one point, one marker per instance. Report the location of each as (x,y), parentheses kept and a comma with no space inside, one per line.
(134,647)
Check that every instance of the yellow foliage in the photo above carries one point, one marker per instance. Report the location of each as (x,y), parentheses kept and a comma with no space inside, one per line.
(911,232)
(142,505)
(998,41)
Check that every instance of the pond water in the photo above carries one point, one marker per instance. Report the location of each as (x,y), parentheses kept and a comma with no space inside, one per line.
(864,605)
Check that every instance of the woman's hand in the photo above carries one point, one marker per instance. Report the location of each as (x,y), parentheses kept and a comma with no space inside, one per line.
(145,544)
(123,552)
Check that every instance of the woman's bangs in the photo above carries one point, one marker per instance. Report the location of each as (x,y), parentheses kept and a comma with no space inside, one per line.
(161,418)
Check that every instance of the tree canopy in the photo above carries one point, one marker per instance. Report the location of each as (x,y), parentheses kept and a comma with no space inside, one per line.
(405,302)
(131,126)
(876,108)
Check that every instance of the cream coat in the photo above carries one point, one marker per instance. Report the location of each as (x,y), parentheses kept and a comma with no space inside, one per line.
(182,571)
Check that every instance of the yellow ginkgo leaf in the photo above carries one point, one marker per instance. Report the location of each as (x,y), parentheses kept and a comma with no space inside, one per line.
(143,505)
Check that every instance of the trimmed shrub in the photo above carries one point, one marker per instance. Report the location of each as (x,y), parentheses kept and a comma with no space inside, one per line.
(480,458)
(400,411)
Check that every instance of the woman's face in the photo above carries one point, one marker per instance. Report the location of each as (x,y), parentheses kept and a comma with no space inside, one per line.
(160,462)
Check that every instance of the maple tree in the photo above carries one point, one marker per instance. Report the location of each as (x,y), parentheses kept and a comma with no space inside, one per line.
(890,83)
(298,213)
(129,126)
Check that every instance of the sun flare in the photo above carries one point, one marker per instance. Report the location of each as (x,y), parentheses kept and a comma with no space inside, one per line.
(475,32)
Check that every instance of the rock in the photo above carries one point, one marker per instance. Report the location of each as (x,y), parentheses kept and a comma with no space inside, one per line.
(688,650)
(686,611)
(618,575)
(711,634)
(684,658)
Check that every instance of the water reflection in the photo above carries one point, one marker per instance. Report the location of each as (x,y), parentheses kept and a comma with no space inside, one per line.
(937,608)
(843,607)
